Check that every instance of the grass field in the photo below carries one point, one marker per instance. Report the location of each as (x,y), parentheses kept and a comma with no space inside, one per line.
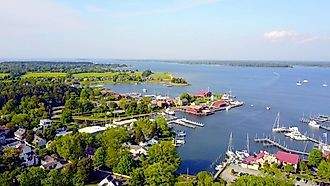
(94,74)
(44,74)
(2,75)
(161,76)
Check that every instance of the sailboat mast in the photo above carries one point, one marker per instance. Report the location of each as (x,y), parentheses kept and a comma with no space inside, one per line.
(230,148)
(247,143)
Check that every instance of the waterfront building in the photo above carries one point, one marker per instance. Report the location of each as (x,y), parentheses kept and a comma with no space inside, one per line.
(288,158)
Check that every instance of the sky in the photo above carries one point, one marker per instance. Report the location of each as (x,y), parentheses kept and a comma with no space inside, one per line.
(166,29)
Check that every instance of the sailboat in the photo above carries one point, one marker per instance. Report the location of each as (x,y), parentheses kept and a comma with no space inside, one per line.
(230,152)
(276,126)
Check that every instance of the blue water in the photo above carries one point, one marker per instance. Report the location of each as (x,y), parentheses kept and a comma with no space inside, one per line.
(273,87)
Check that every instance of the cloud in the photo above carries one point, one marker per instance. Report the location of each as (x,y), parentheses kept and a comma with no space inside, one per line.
(285,35)
(280,34)
(172,8)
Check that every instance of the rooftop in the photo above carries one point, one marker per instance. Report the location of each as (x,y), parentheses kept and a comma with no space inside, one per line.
(92,129)
(287,157)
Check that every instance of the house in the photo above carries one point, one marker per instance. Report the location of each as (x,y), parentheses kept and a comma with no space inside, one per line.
(49,163)
(106,91)
(203,93)
(198,110)
(45,123)
(287,158)
(89,152)
(38,141)
(110,181)
(219,104)
(25,153)
(255,162)
(137,151)
(20,134)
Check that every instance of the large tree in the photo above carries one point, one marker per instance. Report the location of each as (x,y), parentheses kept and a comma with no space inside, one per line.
(125,165)
(323,170)
(315,157)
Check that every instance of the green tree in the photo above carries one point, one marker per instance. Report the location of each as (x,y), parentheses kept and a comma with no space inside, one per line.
(288,168)
(323,170)
(137,177)
(146,73)
(302,166)
(29,136)
(54,178)
(158,174)
(315,157)
(99,157)
(186,96)
(163,126)
(259,180)
(125,165)
(32,176)
(204,178)
(66,117)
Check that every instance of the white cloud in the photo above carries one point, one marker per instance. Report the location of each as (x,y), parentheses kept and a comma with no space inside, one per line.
(280,34)
(285,35)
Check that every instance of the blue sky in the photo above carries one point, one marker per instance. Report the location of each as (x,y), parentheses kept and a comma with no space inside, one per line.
(166,29)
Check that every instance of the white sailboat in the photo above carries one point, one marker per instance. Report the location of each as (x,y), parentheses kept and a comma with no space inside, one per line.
(230,152)
(276,126)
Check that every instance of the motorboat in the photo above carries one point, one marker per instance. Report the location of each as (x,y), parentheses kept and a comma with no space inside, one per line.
(296,135)
(144,90)
(324,85)
(305,81)
(267,108)
(181,133)
(169,112)
(314,124)
(299,83)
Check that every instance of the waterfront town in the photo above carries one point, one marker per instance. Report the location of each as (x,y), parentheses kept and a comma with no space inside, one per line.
(102,137)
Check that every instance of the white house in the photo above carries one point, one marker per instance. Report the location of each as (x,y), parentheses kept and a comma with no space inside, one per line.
(110,181)
(20,134)
(45,123)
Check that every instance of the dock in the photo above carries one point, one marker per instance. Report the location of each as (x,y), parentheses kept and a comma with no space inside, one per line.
(192,122)
(306,121)
(179,122)
(269,141)
(217,174)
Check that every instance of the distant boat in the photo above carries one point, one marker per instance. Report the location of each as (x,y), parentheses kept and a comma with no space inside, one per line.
(299,83)
(181,133)
(324,84)
(169,112)
(144,90)
(267,108)
(305,81)
(276,126)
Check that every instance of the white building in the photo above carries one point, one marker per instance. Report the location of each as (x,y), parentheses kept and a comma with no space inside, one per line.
(45,123)
(93,130)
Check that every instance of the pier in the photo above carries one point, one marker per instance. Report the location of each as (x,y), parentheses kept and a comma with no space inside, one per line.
(180,122)
(192,122)
(269,141)
(306,121)
(217,174)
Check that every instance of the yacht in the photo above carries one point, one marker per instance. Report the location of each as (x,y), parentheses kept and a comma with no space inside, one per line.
(180,141)
(296,135)
(299,83)
(241,155)
(305,81)
(313,123)
(324,85)
(169,112)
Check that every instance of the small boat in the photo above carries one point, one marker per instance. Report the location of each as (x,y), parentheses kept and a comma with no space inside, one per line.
(180,141)
(144,90)
(314,124)
(181,133)
(324,85)
(219,167)
(305,81)
(267,108)
(169,112)
(168,85)
(252,105)
(299,83)
(295,134)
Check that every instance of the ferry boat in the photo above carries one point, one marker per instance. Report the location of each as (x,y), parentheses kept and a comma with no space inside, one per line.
(299,83)
(305,81)
(313,123)
(277,127)
(295,134)
(169,112)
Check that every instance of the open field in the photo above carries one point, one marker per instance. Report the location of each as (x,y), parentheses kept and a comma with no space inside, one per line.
(161,76)
(44,74)
(95,74)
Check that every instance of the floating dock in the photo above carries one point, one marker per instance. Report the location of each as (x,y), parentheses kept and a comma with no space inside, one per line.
(306,121)
(269,141)
(192,122)
(179,122)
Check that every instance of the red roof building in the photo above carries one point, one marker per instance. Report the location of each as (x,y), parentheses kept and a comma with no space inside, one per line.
(106,91)
(219,104)
(203,93)
(286,157)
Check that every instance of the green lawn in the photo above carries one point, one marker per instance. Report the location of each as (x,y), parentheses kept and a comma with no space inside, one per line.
(45,74)
(161,76)
(94,74)
(2,75)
